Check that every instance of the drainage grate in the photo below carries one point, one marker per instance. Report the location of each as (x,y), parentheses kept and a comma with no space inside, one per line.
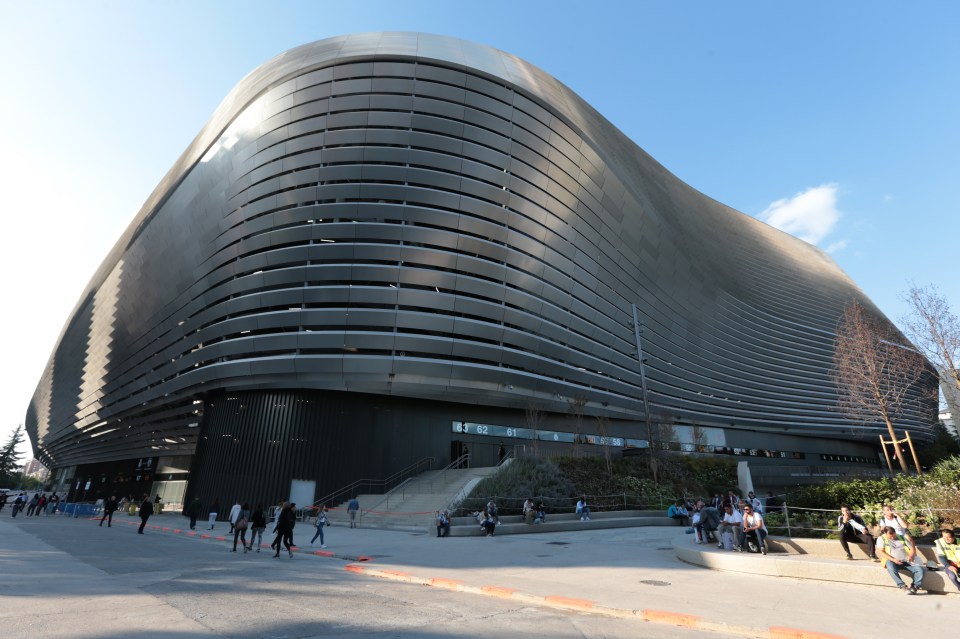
(558,543)
(665,548)
(654,582)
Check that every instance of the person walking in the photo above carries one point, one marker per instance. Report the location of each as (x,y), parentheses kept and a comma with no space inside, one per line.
(33,504)
(41,504)
(284,530)
(52,504)
(352,509)
(212,517)
(146,509)
(194,511)
(109,507)
(258,524)
(321,522)
(240,528)
(234,514)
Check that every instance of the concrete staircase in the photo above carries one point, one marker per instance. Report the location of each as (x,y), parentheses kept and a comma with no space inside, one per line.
(413,504)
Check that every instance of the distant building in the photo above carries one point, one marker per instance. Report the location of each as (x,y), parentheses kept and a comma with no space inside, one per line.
(952,396)
(384,250)
(35,468)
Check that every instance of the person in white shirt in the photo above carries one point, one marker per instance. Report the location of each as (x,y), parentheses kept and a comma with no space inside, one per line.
(853,529)
(754,501)
(753,526)
(890,517)
(732,522)
(898,553)
(234,515)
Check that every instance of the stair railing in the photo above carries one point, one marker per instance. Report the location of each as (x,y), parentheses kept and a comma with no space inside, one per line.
(377,485)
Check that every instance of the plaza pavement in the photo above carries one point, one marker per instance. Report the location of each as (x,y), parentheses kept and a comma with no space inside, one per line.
(627,573)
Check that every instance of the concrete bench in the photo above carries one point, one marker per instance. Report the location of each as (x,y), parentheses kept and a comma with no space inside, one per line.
(562,522)
(820,559)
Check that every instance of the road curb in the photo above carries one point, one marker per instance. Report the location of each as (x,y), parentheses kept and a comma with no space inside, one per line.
(558,602)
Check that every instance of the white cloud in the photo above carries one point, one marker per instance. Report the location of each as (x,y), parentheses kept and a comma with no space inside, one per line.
(837,246)
(809,215)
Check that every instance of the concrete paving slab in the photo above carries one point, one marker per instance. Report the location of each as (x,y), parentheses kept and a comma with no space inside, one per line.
(632,573)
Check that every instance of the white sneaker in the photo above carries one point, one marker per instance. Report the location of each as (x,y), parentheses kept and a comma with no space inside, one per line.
(322,546)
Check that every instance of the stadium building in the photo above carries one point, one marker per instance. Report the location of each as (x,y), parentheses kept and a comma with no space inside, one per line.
(388,248)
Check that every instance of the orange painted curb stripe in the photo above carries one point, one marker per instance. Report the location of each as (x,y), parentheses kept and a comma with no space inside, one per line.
(583,604)
(323,553)
(364,558)
(221,538)
(204,536)
(396,573)
(192,534)
(675,618)
(780,632)
(441,582)
(165,529)
(498,591)
(353,568)
(176,530)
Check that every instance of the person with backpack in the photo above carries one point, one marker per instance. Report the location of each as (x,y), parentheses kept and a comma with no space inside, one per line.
(240,528)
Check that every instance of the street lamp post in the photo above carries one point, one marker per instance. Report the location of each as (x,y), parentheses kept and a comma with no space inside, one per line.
(643,379)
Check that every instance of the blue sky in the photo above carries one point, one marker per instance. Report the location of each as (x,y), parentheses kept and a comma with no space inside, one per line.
(837,121)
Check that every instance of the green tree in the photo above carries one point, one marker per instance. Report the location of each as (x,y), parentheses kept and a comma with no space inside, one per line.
(10,457)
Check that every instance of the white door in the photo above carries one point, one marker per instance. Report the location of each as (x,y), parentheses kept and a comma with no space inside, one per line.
(301,492)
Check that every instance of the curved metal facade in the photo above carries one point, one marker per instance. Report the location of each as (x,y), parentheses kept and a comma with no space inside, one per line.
(417,216)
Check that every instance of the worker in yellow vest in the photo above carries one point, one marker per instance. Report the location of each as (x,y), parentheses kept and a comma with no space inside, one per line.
(897,553)
(948,552)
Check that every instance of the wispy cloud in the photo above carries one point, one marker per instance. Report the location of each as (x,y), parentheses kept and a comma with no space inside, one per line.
(837,246)
(809,215)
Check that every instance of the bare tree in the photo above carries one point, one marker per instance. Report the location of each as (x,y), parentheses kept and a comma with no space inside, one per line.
(874,371)
(935,330)
(602,427)
(577,405)
(534,416)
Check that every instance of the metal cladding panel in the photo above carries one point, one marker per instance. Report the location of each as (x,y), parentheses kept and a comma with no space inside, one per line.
(379,206)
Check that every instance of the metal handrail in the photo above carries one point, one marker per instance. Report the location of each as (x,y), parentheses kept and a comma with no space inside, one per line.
(382,484)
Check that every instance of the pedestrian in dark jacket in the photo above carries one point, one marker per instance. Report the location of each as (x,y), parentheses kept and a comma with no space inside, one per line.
(257,525)
(194,510)
(109,507)
(285,523)
(146,509)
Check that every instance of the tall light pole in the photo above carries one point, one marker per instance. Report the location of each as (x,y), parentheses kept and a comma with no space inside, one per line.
(643,378)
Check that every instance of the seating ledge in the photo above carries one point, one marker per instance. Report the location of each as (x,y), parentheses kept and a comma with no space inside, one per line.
(559,525)
(819,559)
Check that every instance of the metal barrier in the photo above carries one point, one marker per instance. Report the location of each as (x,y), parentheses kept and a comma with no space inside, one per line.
(79,509)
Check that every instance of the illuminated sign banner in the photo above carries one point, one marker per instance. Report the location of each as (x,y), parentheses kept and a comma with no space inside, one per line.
(491,430)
